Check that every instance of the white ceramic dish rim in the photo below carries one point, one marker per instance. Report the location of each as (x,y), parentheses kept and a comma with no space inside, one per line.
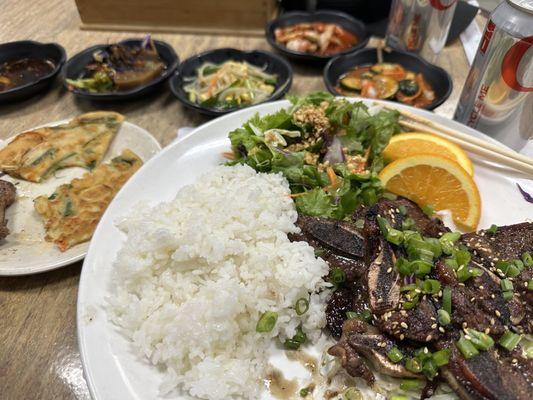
(266,107)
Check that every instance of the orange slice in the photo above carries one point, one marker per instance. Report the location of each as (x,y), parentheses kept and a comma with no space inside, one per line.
(409,144)
(433,180)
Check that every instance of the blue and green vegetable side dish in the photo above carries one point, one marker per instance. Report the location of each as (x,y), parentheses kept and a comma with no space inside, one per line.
(328,148)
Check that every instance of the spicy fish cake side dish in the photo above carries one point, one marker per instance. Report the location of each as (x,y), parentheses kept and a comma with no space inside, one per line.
(72,212)
(82,142)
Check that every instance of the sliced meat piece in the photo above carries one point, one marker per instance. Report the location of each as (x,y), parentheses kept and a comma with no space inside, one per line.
(489,375)
(362,339)
(418,324)
(474,305)
(7,197)
(339,303)
(383,280)
(353,268)
(341,237)
(351,361)
(392,211)
(507,243)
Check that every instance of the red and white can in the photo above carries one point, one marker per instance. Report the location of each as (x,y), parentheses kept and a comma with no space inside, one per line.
(420,26)
(497,98)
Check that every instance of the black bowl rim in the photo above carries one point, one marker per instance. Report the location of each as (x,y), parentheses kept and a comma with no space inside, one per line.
(277,94)
(126,93)
(54,72)
(269,30)
(431,106)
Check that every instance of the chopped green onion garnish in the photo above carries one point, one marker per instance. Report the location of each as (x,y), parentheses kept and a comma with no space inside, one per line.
(429,368)
(447,241)
(509,340)
(493,229)
(360,223)
(431,286)
(392,235)
(403,266)
(447,300)
(292,344)
(409,287)
(513,271)
(352,394)
(267,322)
(426,255)
(444,317)
(304,392)
(411,384)
(507,295)
(351,314)
(403,210)
(408,305)
(395,354)
(464,273)
(337,276)
(413,365)
(423,354)
(530,284)
(408,224)
(519,264)
(441,357)
(502,266)
(389,196)
(434,246)
(480,340)
(527,259)
(462,257)
(300,335)
(467,349)
(450,262)
(506,285)
(421,268)
(364,315)
(302,305)
(428,210)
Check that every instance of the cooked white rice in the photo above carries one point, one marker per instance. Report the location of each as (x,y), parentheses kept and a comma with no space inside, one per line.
(196,273)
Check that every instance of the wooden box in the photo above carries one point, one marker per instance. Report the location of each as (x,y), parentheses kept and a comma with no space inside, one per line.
(241,17)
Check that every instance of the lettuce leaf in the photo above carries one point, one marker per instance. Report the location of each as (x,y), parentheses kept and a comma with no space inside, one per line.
(359,132)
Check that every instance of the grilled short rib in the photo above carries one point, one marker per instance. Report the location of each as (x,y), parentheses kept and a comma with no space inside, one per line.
(373,284)
(7,197)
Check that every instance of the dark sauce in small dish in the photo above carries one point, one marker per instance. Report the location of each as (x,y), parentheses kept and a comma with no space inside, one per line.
(20,72)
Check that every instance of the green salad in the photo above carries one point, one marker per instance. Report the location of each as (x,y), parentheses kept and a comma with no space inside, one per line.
(328,148)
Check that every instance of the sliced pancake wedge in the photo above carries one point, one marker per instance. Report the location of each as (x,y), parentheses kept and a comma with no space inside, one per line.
(72,212)
(82,142)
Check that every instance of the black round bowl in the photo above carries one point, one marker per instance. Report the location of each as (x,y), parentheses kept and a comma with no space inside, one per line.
(74,68)
(28,48)
(344,20)
(272,63)
(438,78)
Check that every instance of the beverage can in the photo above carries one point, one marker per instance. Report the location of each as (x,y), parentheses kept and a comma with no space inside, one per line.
(420,26)
(497,98)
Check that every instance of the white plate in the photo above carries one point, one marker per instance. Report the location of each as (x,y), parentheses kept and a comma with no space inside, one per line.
(25,251)
(111,370)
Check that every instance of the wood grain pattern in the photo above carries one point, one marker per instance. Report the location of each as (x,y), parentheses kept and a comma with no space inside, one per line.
(39,358)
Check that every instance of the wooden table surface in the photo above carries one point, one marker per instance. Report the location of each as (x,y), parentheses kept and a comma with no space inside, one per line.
(39,356)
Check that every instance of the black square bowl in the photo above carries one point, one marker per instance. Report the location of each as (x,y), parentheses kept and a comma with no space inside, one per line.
(75,67)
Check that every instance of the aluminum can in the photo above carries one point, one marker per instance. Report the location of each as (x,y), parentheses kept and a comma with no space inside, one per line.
(497,98)
(420,26)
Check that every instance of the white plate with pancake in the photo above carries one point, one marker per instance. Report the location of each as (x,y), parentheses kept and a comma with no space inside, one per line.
(24,251)
(111,368)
